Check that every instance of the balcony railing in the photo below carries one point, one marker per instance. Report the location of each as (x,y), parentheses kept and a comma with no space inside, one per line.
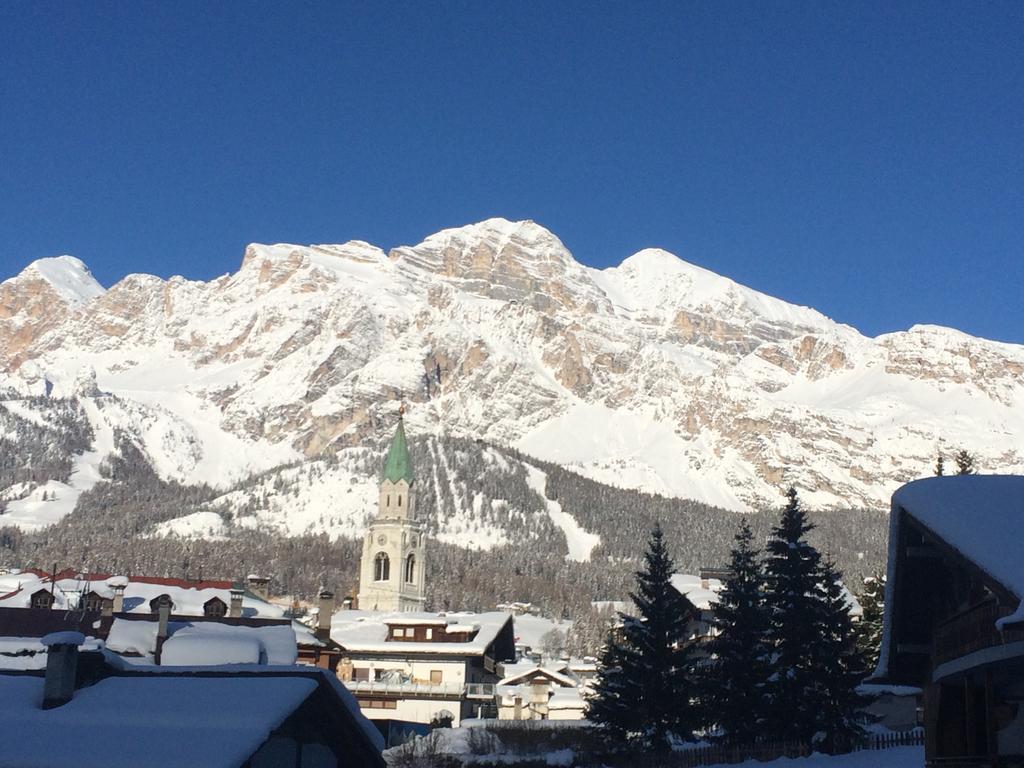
(410,689)
(972,630)
(413,689)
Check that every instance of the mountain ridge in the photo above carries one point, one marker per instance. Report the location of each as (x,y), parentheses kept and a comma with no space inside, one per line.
(656,374)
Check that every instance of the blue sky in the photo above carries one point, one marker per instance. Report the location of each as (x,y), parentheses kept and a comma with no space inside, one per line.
(866,159)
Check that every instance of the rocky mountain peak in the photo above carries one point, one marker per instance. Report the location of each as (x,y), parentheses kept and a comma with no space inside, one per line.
(657,374)
(68,277)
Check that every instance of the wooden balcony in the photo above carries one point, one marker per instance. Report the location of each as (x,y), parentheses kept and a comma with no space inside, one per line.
(972,630)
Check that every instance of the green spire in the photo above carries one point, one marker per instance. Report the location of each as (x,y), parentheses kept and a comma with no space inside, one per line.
(398,465)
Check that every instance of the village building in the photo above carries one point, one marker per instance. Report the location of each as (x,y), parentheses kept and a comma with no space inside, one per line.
(88,708)
(423,667)
(954,618)
(138,616)
(540,692)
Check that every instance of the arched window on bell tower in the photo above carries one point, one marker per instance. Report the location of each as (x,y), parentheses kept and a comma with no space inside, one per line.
(381,567)
(410,569)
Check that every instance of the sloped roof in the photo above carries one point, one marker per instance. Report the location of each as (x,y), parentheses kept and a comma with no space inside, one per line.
(188,597)
(367,632)
(690,586)
(169,721)
(981,516)
(398,465)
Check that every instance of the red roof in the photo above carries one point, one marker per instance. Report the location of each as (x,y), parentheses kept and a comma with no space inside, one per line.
(71,573)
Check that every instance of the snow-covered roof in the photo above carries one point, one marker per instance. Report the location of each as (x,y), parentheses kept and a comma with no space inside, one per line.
(188,597)
(367,631)
(521,676)
(981,516)
(692,587)
(203,643)
(159,720)
(566,698)
(29,653)
(203,649)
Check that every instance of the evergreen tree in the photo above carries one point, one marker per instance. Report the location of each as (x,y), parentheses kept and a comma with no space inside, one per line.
(644,691)
(869,630)
(734,677)
(616,700)
(964,462)
(940,466)
(839,669)
(795,598)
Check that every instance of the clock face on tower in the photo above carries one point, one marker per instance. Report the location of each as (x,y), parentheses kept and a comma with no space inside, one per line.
(382,539)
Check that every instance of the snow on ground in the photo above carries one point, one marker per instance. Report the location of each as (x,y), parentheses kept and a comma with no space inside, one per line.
(312,498)
(529,629)
(629,450)
(580,542)
(198,525)
(32,512)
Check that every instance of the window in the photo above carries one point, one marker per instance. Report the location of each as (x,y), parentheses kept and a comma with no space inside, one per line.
(381,567)
(361,673)
(410,569)
(92,602)
(430,634)
(399,499)
(436,675)
(215,607)
(399,632)
(377,703)
(387,503)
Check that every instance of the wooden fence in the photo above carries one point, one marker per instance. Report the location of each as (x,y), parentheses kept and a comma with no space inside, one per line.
(772,750)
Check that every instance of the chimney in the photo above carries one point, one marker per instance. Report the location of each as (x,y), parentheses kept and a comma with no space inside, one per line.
(61,667)
(235,609)
(324,613)
(107,606)
(259,586)
(161,630)
(117,585)
(346,603)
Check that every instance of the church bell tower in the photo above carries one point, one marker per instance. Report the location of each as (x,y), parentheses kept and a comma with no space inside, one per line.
(392,566)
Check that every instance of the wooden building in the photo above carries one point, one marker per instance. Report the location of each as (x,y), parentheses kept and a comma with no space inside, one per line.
(954,623)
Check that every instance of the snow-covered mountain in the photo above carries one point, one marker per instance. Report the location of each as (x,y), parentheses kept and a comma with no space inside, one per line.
(655,374)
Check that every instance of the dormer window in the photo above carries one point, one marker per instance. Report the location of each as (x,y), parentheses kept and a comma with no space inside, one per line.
(42,599)
(215,608)
(92,602)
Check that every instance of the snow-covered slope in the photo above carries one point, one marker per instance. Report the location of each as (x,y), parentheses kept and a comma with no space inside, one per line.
(655,374)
